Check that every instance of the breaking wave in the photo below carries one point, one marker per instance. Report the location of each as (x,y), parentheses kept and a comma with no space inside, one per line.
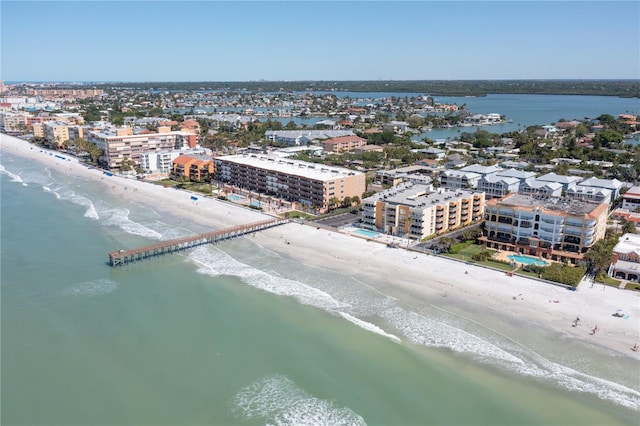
(91,288)
(14,177)
(215,262)
(276,400)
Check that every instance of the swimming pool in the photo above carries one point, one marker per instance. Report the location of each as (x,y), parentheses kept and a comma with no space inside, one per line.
(366,233)
(527,260)
(235,198)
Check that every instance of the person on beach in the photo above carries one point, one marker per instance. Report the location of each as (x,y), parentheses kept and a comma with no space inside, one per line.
(594,329)
(635,347)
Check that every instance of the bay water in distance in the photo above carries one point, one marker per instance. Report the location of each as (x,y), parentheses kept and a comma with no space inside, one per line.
(237,334)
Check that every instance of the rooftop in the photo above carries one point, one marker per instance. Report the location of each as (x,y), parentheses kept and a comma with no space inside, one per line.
(417,195)
(628,243)
(562,205)
(289,166)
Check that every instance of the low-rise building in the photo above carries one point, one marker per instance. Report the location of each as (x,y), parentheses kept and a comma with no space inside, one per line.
(303,137)
(161,162)
(566,181)
(418,211)
(614,185)
(631,198)
(343,144)
(457,179)
(495,186)
(541,188)
(192,168)
(552,228)
(587,193)
(625,262)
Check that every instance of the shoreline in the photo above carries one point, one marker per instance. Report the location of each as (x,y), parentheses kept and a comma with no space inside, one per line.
(418,277)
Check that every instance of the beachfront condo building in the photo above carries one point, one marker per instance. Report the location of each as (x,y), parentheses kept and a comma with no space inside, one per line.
(121,144)
(553,228)
(193,168)
(315,185)
(417,211)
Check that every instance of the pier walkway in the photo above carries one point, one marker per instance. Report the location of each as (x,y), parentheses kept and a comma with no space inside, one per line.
(123,257)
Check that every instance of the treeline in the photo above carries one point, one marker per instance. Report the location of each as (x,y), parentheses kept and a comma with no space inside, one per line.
(622,88)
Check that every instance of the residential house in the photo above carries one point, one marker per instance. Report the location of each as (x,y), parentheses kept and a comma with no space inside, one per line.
(631,199)
(625,261)
(457,179)
(540,188)
(496,186)
(587,193)
(565,181)
(614,185)
(396,126)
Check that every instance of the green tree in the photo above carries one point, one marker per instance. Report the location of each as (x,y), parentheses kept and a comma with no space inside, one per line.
(415,121)
(607,137)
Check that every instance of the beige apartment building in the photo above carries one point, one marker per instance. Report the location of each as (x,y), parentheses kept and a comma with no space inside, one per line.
(417,211)
(12,122)
(56,133)
(553,228)
(314,185)
(343,144)
(120,143)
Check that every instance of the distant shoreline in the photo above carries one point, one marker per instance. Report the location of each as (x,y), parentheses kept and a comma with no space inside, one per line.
(624,88)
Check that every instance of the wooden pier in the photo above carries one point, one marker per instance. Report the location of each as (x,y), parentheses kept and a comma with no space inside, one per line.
(123,257)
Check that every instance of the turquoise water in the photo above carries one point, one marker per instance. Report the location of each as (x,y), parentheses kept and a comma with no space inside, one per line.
(235,198)
(237,333)
(366,233)
(527,260)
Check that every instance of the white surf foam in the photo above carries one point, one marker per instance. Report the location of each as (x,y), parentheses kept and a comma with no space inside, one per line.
(120,218)
(369,327)
(573,380)
(14,177)
(425,331)
(215,262)
(279,401)
(91,288)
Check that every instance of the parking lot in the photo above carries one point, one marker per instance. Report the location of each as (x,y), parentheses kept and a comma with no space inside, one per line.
(340,220)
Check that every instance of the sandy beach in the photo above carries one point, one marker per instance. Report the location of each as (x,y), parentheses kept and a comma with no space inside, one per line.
(412,275)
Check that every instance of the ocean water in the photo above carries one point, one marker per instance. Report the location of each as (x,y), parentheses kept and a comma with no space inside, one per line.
(238,334)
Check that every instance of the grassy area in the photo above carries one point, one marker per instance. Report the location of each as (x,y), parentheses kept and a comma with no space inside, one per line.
(466,254)
(604,279)
(203,188)
(496,265)
(294,214)
(527,273)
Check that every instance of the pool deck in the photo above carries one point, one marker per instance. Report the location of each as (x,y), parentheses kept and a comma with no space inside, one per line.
(380,238)
(503,256)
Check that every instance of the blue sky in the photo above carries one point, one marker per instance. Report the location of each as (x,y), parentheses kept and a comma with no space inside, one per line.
(309,40)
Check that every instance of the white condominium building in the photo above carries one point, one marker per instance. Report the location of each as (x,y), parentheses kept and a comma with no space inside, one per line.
(553,228)
(121,144)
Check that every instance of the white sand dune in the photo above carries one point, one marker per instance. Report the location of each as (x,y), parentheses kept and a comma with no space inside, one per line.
(419,276)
